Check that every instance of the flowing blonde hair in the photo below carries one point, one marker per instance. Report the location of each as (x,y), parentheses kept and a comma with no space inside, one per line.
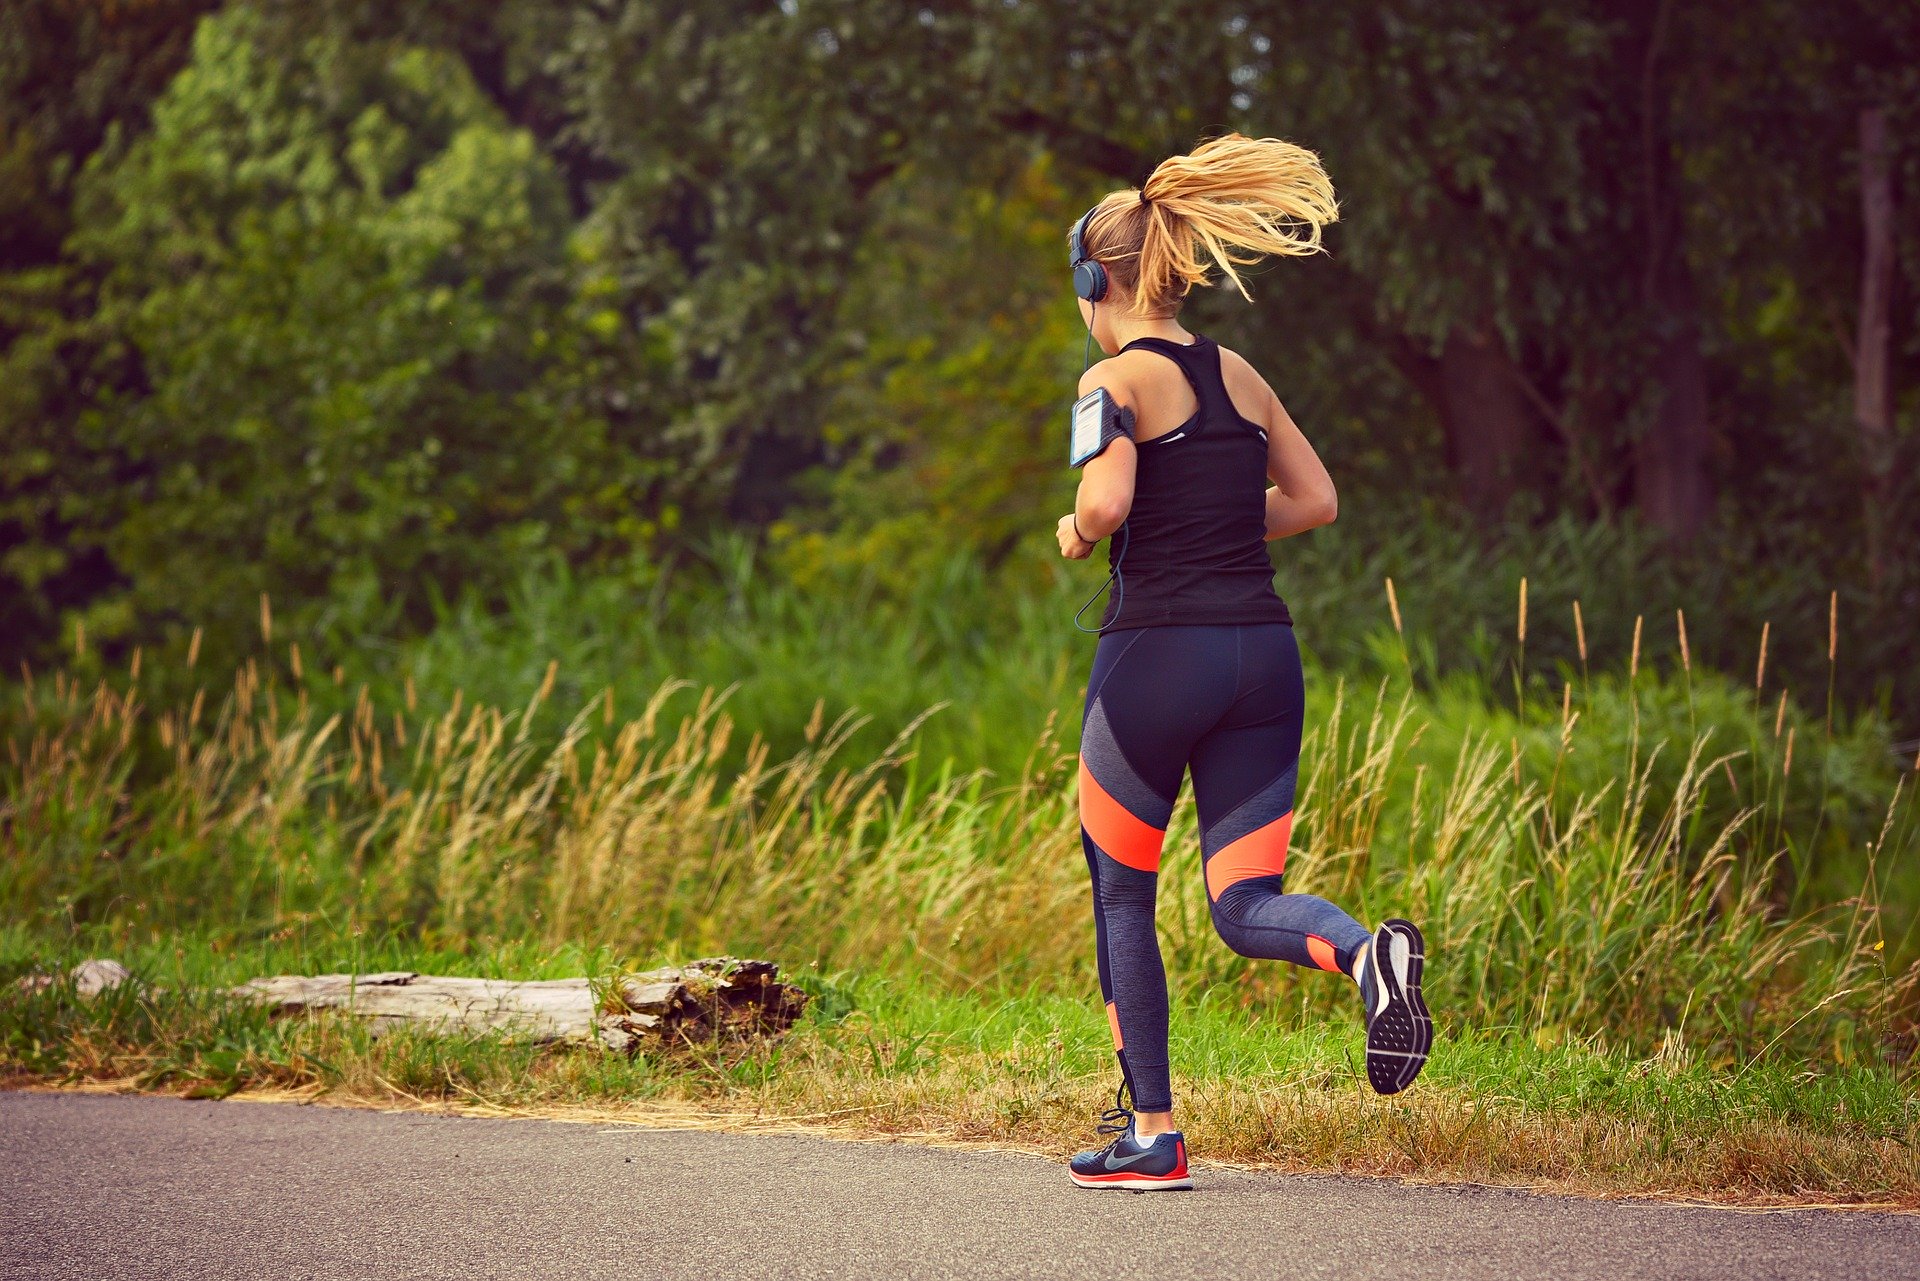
(1228,203)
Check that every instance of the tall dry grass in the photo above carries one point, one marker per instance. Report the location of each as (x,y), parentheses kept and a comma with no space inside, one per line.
(1664,904)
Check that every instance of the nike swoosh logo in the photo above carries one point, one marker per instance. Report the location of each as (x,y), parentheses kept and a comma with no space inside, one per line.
(1114,1164)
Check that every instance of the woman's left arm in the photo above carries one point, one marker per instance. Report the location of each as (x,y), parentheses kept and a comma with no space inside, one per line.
(1303,496)
(1106,482)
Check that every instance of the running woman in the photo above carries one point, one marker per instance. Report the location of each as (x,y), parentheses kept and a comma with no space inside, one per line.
(1196,670)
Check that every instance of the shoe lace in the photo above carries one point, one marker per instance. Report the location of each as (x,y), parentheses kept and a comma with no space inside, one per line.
(1117,1119)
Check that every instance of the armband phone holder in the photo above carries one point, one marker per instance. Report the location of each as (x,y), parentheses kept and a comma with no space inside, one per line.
(1098,421)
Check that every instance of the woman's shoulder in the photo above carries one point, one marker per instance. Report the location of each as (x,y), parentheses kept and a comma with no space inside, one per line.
(1249,391)
(1125,370)
(1233,363)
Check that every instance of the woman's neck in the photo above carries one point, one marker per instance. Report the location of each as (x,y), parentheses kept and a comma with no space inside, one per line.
(1127,328)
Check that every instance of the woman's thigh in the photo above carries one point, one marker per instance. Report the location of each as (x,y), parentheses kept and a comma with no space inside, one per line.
(1246,766)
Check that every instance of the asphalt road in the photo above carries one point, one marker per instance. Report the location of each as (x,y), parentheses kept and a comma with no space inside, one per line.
(104,1187)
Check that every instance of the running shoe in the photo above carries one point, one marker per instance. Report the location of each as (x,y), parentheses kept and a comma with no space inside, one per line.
(1399,1029)
(1129,1161)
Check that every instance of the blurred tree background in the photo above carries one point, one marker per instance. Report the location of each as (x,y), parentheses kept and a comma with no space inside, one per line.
(380,309)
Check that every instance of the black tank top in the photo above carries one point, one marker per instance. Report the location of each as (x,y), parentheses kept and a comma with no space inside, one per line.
(1196,548)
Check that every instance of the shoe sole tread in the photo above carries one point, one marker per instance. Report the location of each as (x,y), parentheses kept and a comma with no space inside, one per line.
(1400,1037)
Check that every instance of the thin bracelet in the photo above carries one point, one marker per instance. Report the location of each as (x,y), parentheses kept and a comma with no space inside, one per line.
(1091,542)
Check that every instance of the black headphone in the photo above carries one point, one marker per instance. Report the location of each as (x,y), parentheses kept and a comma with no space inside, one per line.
(1089,273)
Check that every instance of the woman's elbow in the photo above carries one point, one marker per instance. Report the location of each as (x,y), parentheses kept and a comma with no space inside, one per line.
(1328,509)
(1110,513)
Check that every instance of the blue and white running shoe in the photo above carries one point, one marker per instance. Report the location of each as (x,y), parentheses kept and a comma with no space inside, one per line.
(1129,1161)
(1399,1029)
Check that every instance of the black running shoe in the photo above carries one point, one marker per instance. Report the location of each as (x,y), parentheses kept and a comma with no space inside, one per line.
(1130,1162)
(1399,1029)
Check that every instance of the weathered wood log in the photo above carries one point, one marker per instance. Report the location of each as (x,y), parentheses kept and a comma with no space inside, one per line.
(719,997)
(553,1010)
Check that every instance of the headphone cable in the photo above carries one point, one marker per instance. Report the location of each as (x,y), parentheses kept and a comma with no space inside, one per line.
(1114,577)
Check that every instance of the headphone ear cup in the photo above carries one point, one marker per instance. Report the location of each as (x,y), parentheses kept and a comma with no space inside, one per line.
(1089,274)
(1090,279)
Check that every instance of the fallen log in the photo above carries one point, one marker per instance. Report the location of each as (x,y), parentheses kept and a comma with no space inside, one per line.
(718,998)
(715,998)
(551,1010)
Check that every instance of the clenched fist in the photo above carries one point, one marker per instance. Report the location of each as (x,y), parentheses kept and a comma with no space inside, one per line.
(1072,546)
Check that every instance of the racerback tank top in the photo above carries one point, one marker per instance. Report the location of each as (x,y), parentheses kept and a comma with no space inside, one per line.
(1196,548)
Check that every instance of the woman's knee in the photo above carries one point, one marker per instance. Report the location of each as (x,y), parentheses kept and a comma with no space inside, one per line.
(1126,901)
(1229,914)
(1121,888)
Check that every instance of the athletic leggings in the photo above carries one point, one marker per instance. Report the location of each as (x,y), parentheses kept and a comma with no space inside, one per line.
(1226,702)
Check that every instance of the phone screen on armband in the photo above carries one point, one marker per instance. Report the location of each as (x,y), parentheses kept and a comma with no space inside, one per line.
(1097,423)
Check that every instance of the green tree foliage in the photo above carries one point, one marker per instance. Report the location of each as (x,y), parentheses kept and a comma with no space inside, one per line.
(383,300)
(946,414)
(343,281)
(748,142)
(68,72)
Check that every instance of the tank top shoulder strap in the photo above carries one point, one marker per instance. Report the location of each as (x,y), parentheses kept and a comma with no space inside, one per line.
(1199,360)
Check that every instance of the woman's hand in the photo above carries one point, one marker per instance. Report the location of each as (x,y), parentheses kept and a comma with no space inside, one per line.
(1072,546)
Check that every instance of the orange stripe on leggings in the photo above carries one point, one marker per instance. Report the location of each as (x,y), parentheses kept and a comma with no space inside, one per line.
(1113,1021)
(1261,852)
(1322,953)
(1115,828)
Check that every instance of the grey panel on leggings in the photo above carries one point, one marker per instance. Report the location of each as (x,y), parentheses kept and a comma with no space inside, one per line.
(1138,977)
(1109,764)
(1252,814)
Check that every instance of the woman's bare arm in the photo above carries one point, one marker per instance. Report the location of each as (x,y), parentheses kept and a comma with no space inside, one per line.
(1303,496)
(1106,482)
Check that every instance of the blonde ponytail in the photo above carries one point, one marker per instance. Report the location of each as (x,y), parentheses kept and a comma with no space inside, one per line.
(1227,203)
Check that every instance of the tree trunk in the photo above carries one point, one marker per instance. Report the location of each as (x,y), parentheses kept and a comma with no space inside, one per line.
(1872,365)
(1671,483)
(1487,423)
(1489,426)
